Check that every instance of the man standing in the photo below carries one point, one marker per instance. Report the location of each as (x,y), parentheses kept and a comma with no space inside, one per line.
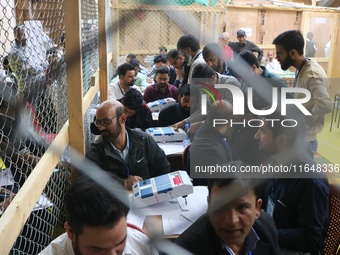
(244,44)
(310,45)
(223,41)
(188,100)
(309,75)
(189,47)
(297,200)
(96,224)
(130,154)
(182,70)
(161,89)
(234,223)
(212,55)
(30,76)
(117,89)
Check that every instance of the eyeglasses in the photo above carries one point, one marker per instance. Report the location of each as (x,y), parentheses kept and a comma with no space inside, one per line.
(105,122)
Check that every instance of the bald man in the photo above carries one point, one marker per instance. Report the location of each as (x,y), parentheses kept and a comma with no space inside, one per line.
(131,155)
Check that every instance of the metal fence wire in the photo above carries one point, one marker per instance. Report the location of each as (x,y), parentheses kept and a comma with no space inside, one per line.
(33,109)
(33,88)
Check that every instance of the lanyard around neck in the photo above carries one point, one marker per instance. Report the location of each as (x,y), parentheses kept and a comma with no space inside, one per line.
(298,71)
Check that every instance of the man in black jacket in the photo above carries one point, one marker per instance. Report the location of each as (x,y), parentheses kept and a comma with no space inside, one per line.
(234,223)
(132,155)
(297,199)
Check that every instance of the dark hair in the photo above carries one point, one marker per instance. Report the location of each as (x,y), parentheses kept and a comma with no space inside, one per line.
(162,48)
(248,57)
(89,204)
(162,69)
(17,28)
(203,71)
(213,48)
(132,99)
(188,41)
(174,53)
(184,90)
(245,184)
(134,62)
(5,64)
(220,110)
(122,69)
(160,58)
(291,39)
(294,135)
(131,56)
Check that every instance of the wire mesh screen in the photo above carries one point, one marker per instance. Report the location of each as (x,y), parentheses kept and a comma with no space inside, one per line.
(33,109)
(145,26)
(89,31)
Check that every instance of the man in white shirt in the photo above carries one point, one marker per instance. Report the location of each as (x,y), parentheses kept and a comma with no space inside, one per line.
(272,64)
(117,89)
(96,224)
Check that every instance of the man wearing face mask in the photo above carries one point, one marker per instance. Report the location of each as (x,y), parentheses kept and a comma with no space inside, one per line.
(189,47)
(309,75)
(117,89)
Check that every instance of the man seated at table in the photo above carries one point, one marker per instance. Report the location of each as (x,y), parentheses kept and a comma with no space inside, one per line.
(96,224)
(188,99)
(161,88)
(161,60)
(131,154)
(117,89)
(297,201)
(234,223)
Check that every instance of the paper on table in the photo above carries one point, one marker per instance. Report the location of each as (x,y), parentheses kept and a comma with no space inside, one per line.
(42,203)
(157,209)
(172,148)
(196,205)
(174,224)
(136,219)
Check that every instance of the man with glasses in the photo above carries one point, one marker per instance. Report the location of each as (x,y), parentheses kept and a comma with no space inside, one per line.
(130,154)
(182,70)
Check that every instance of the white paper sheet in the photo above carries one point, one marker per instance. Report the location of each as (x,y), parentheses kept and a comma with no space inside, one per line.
(174,224)
(196,204)
(136,219)
(172,148)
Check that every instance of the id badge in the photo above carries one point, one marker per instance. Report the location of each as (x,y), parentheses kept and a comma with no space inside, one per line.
(270,206)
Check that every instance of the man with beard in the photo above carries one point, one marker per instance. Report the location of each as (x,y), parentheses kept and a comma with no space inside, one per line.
(309,75)
(117,89)
(131,155)
(297,200)
(96,224)
(213,56)
(189,47)
(188,99)
(161,89)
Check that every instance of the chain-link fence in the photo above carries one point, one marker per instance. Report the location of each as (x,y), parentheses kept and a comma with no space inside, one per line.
(146,26)
(33,109)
